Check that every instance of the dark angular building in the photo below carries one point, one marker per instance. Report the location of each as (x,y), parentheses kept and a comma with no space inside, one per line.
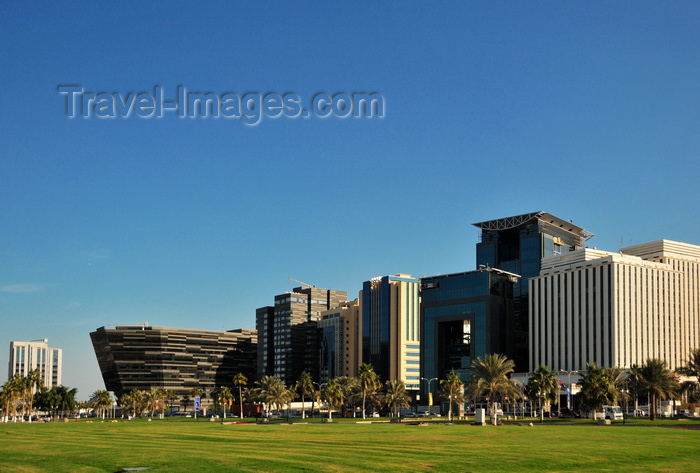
(142,357)
(289,338)
(464,316)
(517,245)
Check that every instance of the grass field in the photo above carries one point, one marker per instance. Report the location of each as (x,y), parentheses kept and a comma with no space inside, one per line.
(186,446)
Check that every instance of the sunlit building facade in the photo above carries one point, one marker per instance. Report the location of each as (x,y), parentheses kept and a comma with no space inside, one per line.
(464,316)
(517,245)
(37,355)
(390,318)
(339,346)
(616,309)
(288,335)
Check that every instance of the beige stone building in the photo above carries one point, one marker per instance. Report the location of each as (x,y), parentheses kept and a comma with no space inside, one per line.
(340,341)
(616,309)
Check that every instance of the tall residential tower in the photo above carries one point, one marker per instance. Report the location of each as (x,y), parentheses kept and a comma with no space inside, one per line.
(288,336)
(391,336)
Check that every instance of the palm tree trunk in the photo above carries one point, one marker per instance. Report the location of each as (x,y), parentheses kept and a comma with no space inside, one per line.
(541,412)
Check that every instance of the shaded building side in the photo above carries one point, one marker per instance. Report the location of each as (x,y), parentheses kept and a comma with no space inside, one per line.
(141,357)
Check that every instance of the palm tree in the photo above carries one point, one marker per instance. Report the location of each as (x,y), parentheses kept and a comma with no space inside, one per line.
(152,400)
(34,381)
(659,381)
(241,380)
(634,386)
(196,392)
(490,378)
(25,394)
(9,395)
(369,383)
(543,385)
(167,396)
(334,394)
(452,390)
(67,402)
(223,397)
(619,379)
(275,392)
(186,400)
(396,397)
(692,368)
(350,387)
(304,385)
(597,389)
(12,394)
(131,401)
(101,401)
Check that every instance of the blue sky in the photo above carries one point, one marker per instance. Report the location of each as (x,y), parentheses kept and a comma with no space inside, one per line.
(587,110)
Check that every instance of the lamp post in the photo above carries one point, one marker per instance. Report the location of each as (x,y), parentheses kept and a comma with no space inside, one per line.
(430,404)
(571,388)
(319,396)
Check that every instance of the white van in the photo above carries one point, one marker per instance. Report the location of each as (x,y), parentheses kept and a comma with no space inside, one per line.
(613,412)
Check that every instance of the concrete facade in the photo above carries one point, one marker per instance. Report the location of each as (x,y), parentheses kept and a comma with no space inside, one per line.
(36,355)
(616,309)
(340,346)
(288,332)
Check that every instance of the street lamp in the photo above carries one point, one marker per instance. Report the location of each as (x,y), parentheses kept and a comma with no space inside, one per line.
(430,404)
(319,396)
(571,388)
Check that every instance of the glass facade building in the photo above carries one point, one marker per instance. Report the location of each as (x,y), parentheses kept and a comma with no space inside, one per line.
(141,357)
(289,339)
(464,316)
(517,245)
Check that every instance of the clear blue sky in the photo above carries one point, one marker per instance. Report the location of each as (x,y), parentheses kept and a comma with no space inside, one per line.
(587,110)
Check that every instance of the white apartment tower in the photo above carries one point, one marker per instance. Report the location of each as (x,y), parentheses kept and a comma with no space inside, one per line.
(36,355)
(616,309)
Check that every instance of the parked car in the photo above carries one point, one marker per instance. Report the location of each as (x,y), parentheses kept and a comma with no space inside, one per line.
(374,414)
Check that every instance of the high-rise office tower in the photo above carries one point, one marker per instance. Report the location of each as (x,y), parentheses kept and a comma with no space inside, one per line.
(616,309)
(464,316)
(340,341)
(36,355)
(391,336)
(288,337)
(517,245)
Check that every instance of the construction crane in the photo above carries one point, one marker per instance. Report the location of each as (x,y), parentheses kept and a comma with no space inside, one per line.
(302,283)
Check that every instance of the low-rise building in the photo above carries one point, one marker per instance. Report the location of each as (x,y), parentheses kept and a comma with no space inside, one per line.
(142,357)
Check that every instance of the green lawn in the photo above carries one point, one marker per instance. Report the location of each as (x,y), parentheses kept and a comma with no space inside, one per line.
(186,446)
